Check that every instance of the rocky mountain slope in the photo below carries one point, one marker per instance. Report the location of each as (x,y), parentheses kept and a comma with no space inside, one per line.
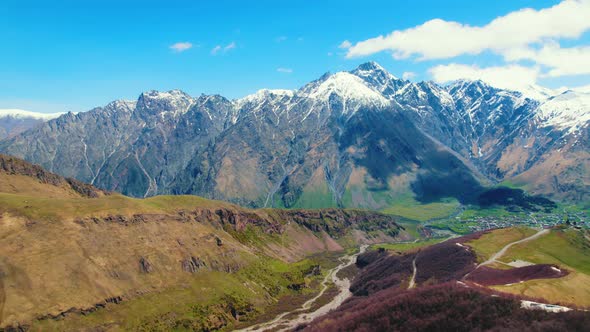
(351,139)
(67,251)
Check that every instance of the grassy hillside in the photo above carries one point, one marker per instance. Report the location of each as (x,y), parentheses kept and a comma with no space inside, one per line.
(567,248)
(72,256)
(491,242)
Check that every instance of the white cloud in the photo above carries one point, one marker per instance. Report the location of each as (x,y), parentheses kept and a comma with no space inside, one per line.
(18,113)
(181,46)
(561,61)
(285,70)
(229,46)
(408,75)
(216,49)
(585,88)
(513,77)
(223,49)
(345,44)
(440,39)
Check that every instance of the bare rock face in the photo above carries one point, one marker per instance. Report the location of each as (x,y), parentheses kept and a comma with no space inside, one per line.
(193,265)
(145,266)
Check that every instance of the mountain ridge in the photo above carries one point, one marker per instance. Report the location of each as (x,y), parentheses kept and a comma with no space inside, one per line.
(278,148)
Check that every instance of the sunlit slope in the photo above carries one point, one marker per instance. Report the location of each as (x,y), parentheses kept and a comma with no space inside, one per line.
(67,248)
(567,248)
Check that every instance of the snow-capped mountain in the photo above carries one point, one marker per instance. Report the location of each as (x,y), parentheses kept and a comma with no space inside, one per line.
(566,111)
(15,121)
(353,139)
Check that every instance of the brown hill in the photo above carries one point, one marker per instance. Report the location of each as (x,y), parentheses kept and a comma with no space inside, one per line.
(19,176)
(67,248)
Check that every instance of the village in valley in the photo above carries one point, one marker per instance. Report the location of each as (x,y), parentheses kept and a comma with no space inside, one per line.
(464,225)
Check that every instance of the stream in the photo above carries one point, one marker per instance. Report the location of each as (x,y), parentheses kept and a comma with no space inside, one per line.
(284,323)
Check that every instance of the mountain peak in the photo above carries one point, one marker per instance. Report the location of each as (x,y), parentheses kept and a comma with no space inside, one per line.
(371,65)
(173,101)
(372,68)
(121,105)
(171,94)
(346,85)
(263,94)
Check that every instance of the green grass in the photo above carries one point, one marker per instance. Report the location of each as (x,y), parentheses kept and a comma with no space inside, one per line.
(255,288)
(315,199)
(492,242)
(510,184)
(473,212)
(562,247)
(411,227)
(406,206)
(568,249)
(58,208)
(456,226)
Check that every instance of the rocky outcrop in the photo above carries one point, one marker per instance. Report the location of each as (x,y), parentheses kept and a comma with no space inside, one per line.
(145,266)
(192,264)
(335,222)
(15,166)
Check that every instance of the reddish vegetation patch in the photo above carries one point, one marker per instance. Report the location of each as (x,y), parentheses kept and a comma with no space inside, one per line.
(444,262)
(488,276)
(441,303)
(380,271)
(436,264)
(470,237)
(443,307)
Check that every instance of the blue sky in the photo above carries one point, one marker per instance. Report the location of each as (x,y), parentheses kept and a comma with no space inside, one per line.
(74,55)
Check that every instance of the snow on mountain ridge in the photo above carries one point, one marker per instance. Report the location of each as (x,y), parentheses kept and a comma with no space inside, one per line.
(175,102)
(120,104)
(263,94)
(370,69)
(348,86)
(569,110)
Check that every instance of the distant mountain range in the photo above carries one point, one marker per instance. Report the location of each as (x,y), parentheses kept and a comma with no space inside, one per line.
(362,139)
(15,121)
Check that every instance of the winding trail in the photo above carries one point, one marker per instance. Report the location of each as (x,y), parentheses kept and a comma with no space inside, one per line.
(413,280)
(529,305)
(282,323)
(501,253)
